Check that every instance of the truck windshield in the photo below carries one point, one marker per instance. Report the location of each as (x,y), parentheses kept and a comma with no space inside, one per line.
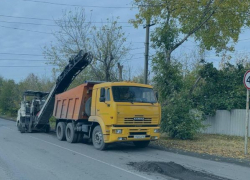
(133,94)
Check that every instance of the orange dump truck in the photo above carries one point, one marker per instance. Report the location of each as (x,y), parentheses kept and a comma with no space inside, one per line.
(108,112)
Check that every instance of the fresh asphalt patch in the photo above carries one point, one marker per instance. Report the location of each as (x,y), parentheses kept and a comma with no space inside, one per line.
(173,170)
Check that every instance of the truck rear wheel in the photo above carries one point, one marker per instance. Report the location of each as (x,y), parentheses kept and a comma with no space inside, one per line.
(97,139)
(60,131)
(141,144)
(71,135)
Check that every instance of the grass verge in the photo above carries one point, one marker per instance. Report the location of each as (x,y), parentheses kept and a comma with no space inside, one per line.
(218,145)
(7,117)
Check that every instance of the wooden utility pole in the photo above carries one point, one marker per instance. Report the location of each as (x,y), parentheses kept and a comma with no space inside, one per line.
(120,71)
(146,51)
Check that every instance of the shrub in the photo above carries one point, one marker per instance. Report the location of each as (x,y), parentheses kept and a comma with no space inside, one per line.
(179,120)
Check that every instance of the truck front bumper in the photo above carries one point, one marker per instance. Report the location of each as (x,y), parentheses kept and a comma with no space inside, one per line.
(132,134)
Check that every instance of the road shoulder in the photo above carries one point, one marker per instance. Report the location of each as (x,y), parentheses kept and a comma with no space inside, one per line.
(240,162)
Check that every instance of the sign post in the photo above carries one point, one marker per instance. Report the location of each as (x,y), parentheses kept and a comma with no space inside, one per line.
(246,82)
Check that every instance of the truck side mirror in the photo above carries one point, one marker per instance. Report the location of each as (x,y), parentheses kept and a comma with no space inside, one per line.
(102,95)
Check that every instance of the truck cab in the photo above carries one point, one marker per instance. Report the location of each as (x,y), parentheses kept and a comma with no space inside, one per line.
(126,112)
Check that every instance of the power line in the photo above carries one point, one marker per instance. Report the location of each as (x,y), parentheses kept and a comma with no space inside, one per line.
(54,25)
(25,66)
(21,17)
(28,23)
(27,54)
(24,29)
(44,19)
(137,48)
(134,59)
(39,60)
(137,53)
(61,20)
(21,54)
(62,4)
(23,60)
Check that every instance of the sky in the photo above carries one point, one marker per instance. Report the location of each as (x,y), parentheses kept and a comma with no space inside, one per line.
(26,27)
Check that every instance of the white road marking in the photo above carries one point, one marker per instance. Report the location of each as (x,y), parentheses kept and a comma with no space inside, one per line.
(111,165)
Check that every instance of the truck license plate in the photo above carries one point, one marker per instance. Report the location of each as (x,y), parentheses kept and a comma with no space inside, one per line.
(139,136)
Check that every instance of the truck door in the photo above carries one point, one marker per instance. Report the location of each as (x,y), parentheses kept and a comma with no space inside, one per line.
(103,108)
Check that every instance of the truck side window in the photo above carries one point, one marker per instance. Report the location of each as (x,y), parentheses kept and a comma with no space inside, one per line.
(102,95)
(107,95)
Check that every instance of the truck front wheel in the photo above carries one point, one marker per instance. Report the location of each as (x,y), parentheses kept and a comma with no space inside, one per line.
(18,126)
(97,139)
(60,131)
(71,135)
(141,144)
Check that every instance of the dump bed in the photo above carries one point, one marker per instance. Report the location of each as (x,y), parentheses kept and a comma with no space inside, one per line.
(70,105)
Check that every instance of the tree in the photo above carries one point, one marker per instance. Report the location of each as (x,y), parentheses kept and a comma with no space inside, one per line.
(221,89)
(35,83)
(109,49)
(9,97)
(212,23)
(139,77)
(73,35)
(107,44)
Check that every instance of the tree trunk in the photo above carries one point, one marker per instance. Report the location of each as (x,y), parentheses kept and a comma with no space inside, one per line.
(168,56)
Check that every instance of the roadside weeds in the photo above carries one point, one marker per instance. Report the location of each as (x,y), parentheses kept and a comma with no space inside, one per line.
(216,145)
(8,117)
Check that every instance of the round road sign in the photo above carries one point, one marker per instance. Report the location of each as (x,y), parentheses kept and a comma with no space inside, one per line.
(246,79)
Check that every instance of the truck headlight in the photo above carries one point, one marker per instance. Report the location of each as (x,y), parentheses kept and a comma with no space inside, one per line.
(156,130)
(118,131)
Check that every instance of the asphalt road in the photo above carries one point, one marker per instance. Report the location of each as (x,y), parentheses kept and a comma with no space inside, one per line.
(40,156)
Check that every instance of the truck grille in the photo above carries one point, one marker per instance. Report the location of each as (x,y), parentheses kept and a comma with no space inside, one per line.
(137,120)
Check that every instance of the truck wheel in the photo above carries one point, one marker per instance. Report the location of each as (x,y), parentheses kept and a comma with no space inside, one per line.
(97,139)
(22,129)
(71,135)
(141,144)
(60,131)
(47,128)
(18,126)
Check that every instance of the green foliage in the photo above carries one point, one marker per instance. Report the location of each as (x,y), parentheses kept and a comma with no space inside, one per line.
(179,119)
(222,89)
(168,77)
(52,122)
(212,23)
(139,78)
(9,97)
(11,92)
